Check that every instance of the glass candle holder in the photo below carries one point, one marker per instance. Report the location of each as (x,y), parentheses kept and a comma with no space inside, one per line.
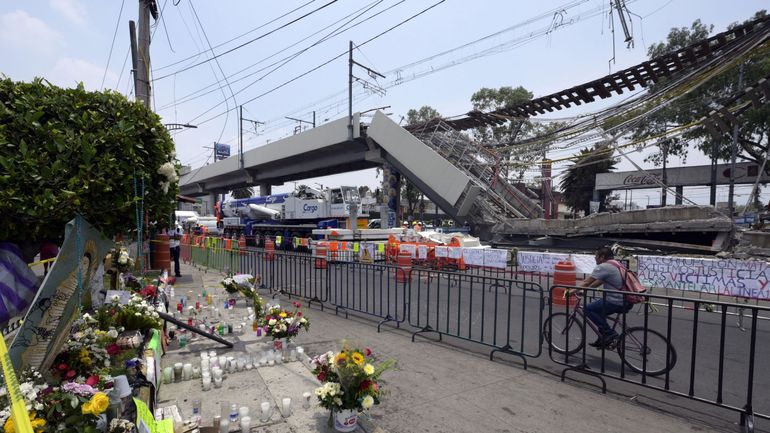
(206,382)
(266,411)
(196,372)
(187,372)
(217,382)
(286,407)
(306,399)
(168,375)
(245,424)
(243,411)
(178,371)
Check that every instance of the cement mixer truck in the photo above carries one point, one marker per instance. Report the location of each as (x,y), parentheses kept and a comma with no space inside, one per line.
(291,215)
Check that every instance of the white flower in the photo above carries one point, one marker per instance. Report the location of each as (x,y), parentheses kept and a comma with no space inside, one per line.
(303,320)
(271,322)
(367,402)
(337,401)
(169,171)
(112,333)
(138,314)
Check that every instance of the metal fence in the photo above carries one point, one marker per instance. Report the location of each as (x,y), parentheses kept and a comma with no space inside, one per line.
(683,351)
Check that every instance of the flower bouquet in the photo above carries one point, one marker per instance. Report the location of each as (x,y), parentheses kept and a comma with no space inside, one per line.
(280,323)
(350,384)
(137,314)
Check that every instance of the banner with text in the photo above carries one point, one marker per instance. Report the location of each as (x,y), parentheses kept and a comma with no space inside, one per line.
(732,277)
(533,261)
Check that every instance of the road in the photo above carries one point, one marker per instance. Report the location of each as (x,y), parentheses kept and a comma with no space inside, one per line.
(486,310)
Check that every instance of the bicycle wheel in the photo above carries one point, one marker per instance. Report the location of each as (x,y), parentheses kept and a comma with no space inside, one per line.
(563,342)
(634,354)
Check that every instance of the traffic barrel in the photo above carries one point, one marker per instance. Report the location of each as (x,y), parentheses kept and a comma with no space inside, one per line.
(565,273)
(320,256)
(269,250)
(404,270)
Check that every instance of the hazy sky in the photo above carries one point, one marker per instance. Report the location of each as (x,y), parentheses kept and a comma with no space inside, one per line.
(544,46)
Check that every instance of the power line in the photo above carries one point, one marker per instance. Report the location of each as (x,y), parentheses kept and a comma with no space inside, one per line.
(195,56)
(330,60)
(112,45)
(202,92)
(248,42)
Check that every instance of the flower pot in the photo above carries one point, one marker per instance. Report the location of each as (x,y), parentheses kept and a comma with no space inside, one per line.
(345,420)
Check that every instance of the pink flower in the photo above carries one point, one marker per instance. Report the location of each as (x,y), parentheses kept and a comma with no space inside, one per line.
(92,380)
(71,374)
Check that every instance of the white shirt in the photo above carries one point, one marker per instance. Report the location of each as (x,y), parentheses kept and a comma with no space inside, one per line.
(173,243)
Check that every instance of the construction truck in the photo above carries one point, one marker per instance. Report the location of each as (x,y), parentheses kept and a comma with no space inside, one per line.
(291,215)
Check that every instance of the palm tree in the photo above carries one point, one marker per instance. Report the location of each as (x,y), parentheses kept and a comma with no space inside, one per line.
(242,192)
(579,183)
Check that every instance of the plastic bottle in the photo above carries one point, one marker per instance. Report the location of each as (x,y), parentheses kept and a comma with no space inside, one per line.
(234,413)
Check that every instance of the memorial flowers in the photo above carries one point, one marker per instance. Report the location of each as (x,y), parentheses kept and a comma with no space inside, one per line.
(281,323)
(137,314)
(350,379)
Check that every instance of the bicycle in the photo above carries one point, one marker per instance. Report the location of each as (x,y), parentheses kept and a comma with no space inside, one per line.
(643,351)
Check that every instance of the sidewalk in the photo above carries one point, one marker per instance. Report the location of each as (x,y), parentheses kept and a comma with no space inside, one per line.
(437,388)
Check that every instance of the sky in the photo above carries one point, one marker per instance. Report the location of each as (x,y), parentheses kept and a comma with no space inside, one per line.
(277,58)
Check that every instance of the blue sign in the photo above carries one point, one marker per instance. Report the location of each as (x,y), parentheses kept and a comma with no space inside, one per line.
(221,150)
(391,219)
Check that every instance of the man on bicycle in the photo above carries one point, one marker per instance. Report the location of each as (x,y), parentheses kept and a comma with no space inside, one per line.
(608,303)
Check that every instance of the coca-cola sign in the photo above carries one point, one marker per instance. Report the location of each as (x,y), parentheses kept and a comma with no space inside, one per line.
(642,179)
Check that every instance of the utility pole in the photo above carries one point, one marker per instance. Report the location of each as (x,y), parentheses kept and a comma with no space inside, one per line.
(371,73)
(140,50)
(734,154)
(240,132)
(300,121)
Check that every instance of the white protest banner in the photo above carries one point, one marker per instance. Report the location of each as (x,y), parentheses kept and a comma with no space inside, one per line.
(532,261)
(455,252)
(473,256)
(410,249)
(422,252)
(495,258)
(731,277)
(442,251)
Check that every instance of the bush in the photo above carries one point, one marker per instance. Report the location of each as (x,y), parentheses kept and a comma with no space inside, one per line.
(69,151)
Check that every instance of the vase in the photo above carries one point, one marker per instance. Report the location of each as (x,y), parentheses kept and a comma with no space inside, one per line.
(279,344)
(345,420)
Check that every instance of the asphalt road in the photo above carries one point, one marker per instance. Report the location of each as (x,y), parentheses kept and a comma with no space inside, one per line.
(501,314)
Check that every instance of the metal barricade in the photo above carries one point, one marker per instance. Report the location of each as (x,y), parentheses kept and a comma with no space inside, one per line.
(370,289)
(496,312)
(693,352)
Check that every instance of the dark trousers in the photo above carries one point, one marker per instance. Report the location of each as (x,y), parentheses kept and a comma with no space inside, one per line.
(597,311)
(175,258)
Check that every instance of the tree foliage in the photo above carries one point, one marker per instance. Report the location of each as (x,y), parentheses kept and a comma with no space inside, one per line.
(578,184)
(68,151)
(755,123)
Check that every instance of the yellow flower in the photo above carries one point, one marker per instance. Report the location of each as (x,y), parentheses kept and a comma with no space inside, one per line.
(99,403)
(37,423)
(358,358)
(86,360)
(369,369)
(282,314)
(341,358)
(9,427)
(86,408)
(367,402)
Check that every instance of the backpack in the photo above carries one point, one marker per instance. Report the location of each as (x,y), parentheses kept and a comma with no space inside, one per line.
(631,284)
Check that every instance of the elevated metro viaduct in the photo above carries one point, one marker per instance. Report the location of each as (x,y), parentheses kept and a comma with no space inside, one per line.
(326,150)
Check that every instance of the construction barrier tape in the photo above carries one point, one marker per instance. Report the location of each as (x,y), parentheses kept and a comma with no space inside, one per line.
(18,407)
(41,262)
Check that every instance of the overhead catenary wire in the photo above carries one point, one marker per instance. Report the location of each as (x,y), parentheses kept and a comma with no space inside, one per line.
(112,44)
(216,56)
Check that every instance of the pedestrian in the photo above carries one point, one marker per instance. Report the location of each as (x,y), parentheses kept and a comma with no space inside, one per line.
(48,250)
(609,303)
(174,237)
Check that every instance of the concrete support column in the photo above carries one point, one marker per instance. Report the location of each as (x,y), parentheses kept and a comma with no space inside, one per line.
(679,193)
(265,189)
(210,204)
(391,186)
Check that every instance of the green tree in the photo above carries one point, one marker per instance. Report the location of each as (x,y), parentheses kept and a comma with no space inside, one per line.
(362,190)
(68,151)
(755,123)
(242,192)
(511,137)
(421,115)
(578,184)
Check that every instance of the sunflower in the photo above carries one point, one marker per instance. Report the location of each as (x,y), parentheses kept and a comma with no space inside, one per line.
(358,358)
(341,358)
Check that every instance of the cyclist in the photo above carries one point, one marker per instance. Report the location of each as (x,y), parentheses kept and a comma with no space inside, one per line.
(609,303)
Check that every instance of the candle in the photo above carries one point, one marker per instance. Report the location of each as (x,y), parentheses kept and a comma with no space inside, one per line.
(223,362)
(216,373)
(293,355)
(168,375)
(224,425)
(196,372)
(306,399)
(243,411)
(178,371)
(266,411)
(212,354)
(204,355)
(187,372)
(206,382)
(205,364)
(286,407)
(245,424)
(179,307)
(217,382)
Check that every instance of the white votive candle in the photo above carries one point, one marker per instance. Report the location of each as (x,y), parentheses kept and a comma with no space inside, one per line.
(243,411)
(265,406)
(286,407)
(187,372)
(206,383)
(245,424)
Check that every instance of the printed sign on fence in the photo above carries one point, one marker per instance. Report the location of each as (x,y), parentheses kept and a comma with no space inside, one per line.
(731,277)
(495,258)
(473,256)
(442,251)
(455,252)
(532,261)
(422,252)
(410,249)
